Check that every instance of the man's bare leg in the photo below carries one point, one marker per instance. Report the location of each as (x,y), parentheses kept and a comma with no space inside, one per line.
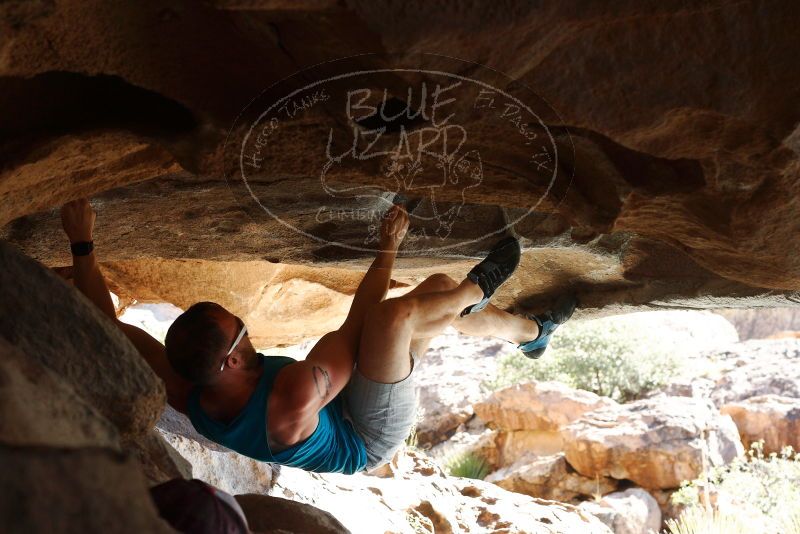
(491,322)
(393,324)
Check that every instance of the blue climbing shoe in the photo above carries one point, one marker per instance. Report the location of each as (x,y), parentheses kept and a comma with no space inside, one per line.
(548,322)
(496,268)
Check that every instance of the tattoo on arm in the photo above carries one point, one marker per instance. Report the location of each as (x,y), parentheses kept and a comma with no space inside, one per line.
(322,380)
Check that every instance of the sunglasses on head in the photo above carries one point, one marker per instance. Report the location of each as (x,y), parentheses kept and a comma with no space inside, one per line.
(242,333)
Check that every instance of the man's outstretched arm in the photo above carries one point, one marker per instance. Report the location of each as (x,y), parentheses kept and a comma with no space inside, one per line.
(77,217)
(375,284)
(305,387)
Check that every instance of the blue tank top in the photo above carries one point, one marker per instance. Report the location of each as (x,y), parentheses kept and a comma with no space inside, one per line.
(334,447)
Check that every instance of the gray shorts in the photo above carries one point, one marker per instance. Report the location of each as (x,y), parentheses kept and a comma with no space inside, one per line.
(382,414)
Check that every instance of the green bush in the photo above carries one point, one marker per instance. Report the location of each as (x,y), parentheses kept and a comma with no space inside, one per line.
(467,465)
(768,485)
(602,356)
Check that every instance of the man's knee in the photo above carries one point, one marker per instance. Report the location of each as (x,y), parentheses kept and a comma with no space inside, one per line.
(391,314)
(441,282)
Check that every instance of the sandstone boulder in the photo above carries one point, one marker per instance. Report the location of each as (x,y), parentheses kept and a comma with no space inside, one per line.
(771,418)
(52,322)
(528,417)
(159,461)
(656,443)
(39,409)
(281,304)
(546,406)
(633,511)
(449,380)
(406,462)
(421,495)
(512,446)
(758,367)
(549,477)
(227,470)
(687,387)
(61,490)
(660,206)
(266,514)
(174,422)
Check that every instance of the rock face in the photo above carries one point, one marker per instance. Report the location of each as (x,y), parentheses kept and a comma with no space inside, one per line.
(273,514)
(54,489)
(771,418)
(544,406)
(449,380)
(61,418)
(281,304)
(67,418)
(528,418)
(656,443)
(549,477)
(229,471)
(64,338)
(418,496)
(677,190)
(633,511)
(758,367)
(77,442)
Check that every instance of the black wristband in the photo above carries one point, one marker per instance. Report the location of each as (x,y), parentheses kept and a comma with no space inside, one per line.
(82,248)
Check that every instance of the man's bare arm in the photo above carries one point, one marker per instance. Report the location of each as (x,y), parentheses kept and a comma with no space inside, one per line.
(375,284)
(305,387)
(78,218)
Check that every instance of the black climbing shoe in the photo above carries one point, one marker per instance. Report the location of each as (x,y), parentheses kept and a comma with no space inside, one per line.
(495,269)
(548,322)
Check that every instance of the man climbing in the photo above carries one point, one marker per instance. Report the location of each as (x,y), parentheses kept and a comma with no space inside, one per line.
(351,403)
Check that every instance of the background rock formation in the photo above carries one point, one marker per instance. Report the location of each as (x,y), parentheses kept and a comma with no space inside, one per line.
(682,117)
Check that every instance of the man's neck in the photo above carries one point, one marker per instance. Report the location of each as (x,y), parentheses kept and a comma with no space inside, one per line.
(227,397)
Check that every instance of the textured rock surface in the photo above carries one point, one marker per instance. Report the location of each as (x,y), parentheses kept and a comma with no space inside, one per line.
(549,477)
(449,380)
(50,321)
(656,443)
(633,511)
(74,490)
(159,461)
(758,367)
(228,471)
(418,493)
(538,406)
(37,408)
(67,419)
(771,418)
(281,304)
(528,418)
(268,514)
(77,447)
(174,422)
(675,154)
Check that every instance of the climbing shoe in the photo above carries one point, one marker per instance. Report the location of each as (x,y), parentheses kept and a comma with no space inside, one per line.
(495,269)
(548,322)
